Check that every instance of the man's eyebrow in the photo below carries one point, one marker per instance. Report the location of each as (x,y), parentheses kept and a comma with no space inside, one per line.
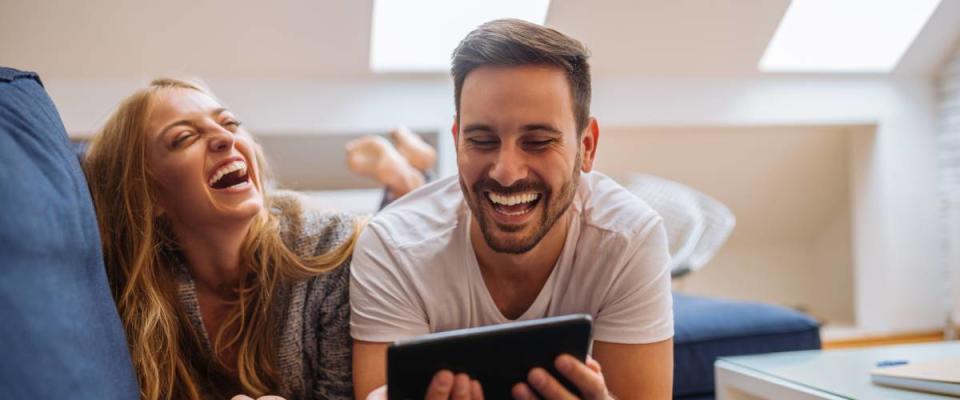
(477,128)
(215,112)
(542,127)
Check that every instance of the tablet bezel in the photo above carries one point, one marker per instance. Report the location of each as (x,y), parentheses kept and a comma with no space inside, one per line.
(518,347)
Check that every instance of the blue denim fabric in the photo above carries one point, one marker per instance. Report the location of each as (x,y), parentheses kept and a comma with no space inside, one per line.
(60,335)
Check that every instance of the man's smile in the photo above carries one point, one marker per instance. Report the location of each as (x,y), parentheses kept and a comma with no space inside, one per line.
(514,203)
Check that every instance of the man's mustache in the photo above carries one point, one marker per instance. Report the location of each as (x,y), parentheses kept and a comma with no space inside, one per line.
(523,186)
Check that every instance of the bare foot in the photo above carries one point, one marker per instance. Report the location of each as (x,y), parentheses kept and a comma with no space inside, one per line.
(419,153)
(375,157)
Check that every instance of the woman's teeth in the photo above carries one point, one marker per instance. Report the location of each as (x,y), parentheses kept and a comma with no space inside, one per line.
(238,165)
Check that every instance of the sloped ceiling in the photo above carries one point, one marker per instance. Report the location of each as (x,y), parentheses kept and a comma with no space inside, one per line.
(678,37)
(301,39)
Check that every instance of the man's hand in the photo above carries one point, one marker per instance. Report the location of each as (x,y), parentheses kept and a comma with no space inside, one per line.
(586,377)
(445,385)
(245,397)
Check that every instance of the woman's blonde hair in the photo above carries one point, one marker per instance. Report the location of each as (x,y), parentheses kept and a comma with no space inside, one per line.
(141,268)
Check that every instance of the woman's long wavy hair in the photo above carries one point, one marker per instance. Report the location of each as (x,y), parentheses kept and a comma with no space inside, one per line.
(165,348)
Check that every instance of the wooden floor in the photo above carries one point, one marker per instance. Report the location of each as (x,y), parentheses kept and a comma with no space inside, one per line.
(918,337)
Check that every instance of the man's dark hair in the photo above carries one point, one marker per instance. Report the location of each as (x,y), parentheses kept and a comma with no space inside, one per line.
(513,42)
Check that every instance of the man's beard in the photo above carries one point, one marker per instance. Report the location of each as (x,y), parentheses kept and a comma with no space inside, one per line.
(554,207)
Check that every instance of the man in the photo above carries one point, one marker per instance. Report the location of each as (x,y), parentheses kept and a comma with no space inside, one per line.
(525,231)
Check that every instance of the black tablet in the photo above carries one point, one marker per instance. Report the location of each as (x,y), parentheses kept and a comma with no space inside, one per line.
(498,356)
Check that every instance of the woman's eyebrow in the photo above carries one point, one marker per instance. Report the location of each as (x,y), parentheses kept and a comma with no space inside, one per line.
(181,122)
(185,122)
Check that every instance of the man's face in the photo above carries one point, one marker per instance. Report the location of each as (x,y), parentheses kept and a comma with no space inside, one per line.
(518,152)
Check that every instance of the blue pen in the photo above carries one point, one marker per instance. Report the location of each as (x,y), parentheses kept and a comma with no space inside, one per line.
(891,363)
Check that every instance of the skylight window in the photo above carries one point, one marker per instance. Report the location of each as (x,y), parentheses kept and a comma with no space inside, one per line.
(845,35)
(420,35)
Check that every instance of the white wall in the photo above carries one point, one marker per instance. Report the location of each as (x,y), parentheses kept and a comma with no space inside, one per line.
(288,107)
(776,272)
(894,198)
(789,188)
(831,271)
(948,84)
(813,275)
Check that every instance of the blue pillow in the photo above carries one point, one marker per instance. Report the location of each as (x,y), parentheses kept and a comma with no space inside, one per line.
(60,335)
(707,329)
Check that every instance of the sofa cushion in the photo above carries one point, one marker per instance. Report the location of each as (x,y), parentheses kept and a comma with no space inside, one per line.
(60,336)
(709,328)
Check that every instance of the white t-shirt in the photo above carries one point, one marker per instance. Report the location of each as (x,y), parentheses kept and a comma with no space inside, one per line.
(415,272)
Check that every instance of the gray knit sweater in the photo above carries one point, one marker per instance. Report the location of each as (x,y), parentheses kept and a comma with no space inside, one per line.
(314,354)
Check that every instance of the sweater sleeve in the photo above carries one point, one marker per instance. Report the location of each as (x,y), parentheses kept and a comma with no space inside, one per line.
(327,343)
(334,378)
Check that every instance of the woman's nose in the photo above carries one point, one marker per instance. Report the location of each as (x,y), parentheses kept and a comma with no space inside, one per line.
(221,140)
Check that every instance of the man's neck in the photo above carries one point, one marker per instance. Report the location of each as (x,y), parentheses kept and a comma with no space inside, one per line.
(515,280)
(213,255)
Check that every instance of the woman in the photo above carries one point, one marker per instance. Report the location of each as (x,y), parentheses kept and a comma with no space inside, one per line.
(222,287)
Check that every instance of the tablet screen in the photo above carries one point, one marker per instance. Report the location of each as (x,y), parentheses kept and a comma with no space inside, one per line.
(498,356)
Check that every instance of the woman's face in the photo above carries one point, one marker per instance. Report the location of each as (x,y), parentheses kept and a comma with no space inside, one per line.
(202,160)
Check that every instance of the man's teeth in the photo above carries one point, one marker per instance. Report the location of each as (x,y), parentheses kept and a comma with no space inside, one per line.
(512,200)
(238,165)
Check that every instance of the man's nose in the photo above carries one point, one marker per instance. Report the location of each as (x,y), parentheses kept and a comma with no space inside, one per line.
(509,167)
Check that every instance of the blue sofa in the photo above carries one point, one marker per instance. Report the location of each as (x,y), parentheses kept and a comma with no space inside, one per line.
(62,338)
(708,328)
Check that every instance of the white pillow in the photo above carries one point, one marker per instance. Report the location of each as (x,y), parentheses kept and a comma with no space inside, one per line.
(697,224)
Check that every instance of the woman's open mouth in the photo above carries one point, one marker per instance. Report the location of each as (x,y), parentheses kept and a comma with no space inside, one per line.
(229,176)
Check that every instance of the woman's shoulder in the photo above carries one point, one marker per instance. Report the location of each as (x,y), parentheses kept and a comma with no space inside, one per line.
(307,229)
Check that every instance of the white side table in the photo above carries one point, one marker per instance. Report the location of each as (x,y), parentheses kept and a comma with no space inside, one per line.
(819,374)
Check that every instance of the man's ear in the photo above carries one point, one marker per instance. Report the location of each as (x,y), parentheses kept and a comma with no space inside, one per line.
(589,139)
(455,129)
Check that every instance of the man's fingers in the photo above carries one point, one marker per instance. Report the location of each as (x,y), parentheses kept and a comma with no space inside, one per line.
(594,365)
(476,391)
(445,385)
(440,386)
(523,392)
(589,381)
(241,397)
(547,386)
(461,387)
